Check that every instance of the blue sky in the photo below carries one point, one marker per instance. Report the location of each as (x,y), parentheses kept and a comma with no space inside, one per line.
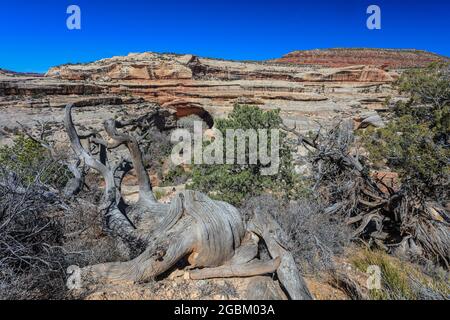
(34,37)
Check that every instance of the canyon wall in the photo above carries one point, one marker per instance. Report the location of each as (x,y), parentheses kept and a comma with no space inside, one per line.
(308,86)
(383,58)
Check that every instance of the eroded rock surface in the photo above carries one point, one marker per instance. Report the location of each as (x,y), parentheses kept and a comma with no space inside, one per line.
(188,85)
(386,58)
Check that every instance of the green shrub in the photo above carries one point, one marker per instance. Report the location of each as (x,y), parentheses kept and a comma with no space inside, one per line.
(22,154)
(28,159)
(175,176)
(235,182)
(427,86)
(409,148)
(416,141)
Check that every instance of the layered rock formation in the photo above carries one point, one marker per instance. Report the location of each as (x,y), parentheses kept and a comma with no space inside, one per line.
(207,87)
(385,58)
(145,66)
(155,67)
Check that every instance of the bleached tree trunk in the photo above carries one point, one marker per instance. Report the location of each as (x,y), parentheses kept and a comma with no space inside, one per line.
(210,234)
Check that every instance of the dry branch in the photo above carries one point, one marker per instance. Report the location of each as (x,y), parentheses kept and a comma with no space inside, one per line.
(288,274)
(253,268)
(210,234)
(387,218)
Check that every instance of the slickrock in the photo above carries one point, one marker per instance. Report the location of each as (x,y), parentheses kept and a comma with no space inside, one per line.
(368,119)
(144,66)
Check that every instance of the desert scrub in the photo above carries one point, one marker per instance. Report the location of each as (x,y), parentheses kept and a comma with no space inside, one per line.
(313,237)
(415,143)
(400,279)
(156,148)
(176,176)
(236,182)
(409,148)
(32,261)
(430,85)
(32,162)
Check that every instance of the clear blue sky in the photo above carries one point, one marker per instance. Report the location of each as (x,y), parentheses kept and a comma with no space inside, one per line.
(33,34)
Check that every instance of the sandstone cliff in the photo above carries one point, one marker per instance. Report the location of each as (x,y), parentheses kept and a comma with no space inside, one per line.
(384,58)
(187,84)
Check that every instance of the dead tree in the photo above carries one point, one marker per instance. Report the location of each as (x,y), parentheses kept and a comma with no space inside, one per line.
(209,235)
(393,219)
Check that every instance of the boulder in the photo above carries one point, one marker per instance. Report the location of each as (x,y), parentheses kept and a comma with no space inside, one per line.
(369,119)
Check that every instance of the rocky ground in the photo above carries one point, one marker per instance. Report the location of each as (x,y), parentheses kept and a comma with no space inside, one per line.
(212,289)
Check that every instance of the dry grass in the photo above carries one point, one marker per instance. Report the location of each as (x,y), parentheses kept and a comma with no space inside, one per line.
(401,280)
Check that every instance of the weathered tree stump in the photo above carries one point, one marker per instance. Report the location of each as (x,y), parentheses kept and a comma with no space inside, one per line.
(209,234)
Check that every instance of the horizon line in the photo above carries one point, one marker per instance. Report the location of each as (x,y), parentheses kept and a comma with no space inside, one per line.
(38,72)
